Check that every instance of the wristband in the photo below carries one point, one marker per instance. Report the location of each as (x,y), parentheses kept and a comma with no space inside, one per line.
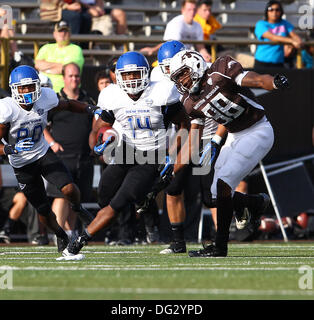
(52,143)
(217,139)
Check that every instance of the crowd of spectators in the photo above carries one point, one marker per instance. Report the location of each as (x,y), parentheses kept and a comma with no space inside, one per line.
(60,65)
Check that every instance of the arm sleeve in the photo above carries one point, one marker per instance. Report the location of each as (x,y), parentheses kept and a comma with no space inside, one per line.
(108,116)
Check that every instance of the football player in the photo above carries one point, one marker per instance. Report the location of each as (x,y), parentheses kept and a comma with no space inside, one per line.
(174,192)
(143,109)
(221,92)
(23,117)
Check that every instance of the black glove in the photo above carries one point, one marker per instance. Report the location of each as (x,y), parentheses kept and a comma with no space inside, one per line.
(281,82)
(23,145)
(90,109)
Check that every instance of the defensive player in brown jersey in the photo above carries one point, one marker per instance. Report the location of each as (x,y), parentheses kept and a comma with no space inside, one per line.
(221,92)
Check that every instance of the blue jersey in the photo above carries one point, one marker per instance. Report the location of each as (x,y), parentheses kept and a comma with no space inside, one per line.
(271,53)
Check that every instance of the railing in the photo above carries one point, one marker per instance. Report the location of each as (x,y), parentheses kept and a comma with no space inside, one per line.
(127,42)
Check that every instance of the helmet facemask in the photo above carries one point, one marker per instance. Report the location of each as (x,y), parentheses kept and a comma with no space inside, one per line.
(187,64)
(28,98)
(133,86)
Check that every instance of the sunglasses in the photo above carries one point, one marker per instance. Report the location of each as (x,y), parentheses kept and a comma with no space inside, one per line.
(274,9)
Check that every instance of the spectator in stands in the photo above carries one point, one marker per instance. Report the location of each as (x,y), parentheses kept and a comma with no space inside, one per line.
(183,28)
(103,79)
(68,138)
(103,18)
(112,68)
(308,52)
(274,28)
(7,31)
(53,56)
(67,10)
(207,21)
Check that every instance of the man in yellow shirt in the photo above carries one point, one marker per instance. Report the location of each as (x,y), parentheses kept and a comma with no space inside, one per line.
(205,18)
(52,56)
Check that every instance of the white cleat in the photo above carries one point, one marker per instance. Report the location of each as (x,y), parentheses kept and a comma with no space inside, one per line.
(244,220)
(67,256)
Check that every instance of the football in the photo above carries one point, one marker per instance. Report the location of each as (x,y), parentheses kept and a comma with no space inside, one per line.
(107,132)
(302,220)
(268,225)
(286,222)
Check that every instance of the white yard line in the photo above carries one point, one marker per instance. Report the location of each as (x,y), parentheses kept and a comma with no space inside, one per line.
(170,291)
(148,268)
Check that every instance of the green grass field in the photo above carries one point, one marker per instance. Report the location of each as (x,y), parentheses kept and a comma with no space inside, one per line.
(251,271)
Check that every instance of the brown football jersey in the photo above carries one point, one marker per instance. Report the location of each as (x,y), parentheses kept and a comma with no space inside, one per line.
(220,98)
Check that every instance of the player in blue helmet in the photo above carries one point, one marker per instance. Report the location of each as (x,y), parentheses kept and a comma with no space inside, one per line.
(142,111)
(132,72)
(166,52)
(21,77)
(23,117)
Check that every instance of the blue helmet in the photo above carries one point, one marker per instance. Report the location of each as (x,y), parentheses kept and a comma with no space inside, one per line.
(166,52)
(21,76)
(129,62)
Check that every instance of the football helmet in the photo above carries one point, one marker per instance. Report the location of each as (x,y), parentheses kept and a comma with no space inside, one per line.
(21,76)
(166,52)
(193,64)
(128,62)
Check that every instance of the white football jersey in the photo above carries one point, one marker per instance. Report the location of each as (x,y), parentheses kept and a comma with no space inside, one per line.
(141,121)
(27,124)
(157,74)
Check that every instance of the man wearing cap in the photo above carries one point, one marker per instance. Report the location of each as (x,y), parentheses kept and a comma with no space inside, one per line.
(51,57)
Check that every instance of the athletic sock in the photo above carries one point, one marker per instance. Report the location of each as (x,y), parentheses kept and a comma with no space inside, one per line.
(177,231)
(224,214)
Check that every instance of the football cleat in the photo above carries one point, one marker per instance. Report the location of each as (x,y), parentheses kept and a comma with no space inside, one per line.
(242,220)
(175,247)
(4,237)
(67,256)
(209,251)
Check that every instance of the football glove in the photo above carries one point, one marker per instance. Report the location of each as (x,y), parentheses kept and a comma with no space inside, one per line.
(23,145)
(93,110)
(166,169)
(281,82)
(101,146)
(210,153)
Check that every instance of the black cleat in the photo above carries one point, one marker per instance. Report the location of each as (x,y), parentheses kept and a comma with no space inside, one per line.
(75,246)
(175,247)
(209,251)
(62,243)
(83,214)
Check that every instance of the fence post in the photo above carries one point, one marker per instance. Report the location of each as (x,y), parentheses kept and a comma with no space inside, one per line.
(4,63)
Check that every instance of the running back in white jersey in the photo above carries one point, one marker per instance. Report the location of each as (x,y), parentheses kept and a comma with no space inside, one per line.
(27,124)
(142,121)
